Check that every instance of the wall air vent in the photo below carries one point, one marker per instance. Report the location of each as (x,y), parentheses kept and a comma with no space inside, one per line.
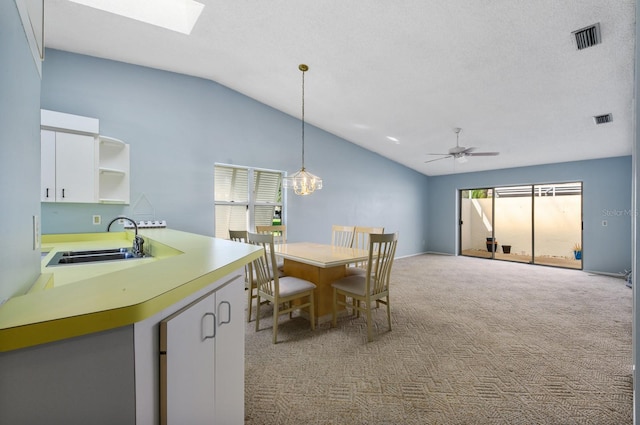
(587,37)
(603,119)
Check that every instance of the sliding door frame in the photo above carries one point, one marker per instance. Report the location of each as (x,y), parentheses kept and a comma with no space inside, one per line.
(570,187)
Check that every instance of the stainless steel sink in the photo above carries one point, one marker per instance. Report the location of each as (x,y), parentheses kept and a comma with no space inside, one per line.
(95,252)
(92,256)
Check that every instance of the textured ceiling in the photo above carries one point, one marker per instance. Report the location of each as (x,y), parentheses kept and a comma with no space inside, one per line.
(506,71)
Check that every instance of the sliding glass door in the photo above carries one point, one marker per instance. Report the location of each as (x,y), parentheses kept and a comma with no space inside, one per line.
(538,224)
(476,223)
(558,224)
(513,209)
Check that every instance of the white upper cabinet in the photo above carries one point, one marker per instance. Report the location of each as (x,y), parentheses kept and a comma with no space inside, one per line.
(47,166)
(79,165)
(68,170)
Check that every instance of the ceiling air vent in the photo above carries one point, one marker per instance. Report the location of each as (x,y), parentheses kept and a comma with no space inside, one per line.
(603,119)
(587,37)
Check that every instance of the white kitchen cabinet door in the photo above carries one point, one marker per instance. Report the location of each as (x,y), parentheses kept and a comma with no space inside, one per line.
(202,360)
(75,168)
(187,353)
(229,365)
(47,166)
(68,169)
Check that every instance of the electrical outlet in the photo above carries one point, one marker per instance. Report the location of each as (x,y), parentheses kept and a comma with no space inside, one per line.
(604,223)
(36,232)
(97,220)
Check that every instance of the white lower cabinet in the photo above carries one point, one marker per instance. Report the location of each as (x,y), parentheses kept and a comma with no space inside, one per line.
(202,360)
(113,376)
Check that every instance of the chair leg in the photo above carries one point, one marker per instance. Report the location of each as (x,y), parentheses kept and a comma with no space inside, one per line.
(258,313)
(334,313)
(389,312)
(369,332)
(250,301)
(276,307)
(312,313)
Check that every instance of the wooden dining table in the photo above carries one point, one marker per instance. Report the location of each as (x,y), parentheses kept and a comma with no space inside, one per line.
(321,264)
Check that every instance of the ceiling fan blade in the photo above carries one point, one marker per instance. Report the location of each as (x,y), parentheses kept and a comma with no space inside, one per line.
(438,159)
(483,153)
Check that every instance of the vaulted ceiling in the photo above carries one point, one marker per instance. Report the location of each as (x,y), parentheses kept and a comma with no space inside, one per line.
(396,77)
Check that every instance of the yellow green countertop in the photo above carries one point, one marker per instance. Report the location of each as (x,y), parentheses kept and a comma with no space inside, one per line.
(73,300)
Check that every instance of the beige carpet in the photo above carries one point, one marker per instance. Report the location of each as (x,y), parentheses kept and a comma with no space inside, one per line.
(474,341)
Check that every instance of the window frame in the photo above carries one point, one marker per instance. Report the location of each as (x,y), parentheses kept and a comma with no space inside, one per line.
(251,203)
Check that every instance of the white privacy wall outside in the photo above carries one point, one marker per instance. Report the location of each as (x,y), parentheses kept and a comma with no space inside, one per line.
(557,221)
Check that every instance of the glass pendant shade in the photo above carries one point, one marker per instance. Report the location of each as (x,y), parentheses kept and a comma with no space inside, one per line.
(302,182)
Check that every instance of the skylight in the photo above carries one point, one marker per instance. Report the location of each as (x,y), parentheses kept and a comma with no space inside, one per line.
(174,15)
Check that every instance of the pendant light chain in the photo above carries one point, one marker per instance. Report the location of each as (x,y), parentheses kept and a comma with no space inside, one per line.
(302,182)
(303,118)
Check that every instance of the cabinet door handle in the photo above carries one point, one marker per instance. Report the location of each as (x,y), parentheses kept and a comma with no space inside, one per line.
(223,322)
(202,325)
(47,193)
(63,193)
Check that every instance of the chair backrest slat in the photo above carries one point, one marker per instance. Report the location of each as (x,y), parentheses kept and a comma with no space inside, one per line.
(361,236)
(382,250)
(279,232)
(266,281)
(342,235)
(361,240)
(238,235)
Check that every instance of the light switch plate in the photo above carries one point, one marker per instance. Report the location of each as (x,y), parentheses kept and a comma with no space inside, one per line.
(36,232)
(97,220)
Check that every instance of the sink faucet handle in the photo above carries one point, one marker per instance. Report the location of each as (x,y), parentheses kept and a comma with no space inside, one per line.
(138,245)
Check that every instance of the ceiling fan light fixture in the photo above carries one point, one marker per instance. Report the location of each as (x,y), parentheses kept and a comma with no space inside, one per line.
(302,182)
(460,153)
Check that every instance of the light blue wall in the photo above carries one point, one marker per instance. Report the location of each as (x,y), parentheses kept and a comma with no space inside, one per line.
(179,126)
(20,158)
(606,196)
(635,239)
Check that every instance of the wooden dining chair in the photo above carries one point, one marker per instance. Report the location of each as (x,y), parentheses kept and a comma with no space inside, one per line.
(361,241)
(249,286)
(280,291)
(342,235)
(372,286)
(279,233)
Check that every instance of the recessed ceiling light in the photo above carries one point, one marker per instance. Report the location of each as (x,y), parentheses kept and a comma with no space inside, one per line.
(393,139)
(175,15)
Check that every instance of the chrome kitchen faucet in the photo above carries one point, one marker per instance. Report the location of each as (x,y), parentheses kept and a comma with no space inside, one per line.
(138,241)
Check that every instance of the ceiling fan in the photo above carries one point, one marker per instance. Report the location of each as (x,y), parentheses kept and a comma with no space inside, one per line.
(460,152)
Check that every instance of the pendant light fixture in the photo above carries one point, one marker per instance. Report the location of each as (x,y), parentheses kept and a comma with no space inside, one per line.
(303,182)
